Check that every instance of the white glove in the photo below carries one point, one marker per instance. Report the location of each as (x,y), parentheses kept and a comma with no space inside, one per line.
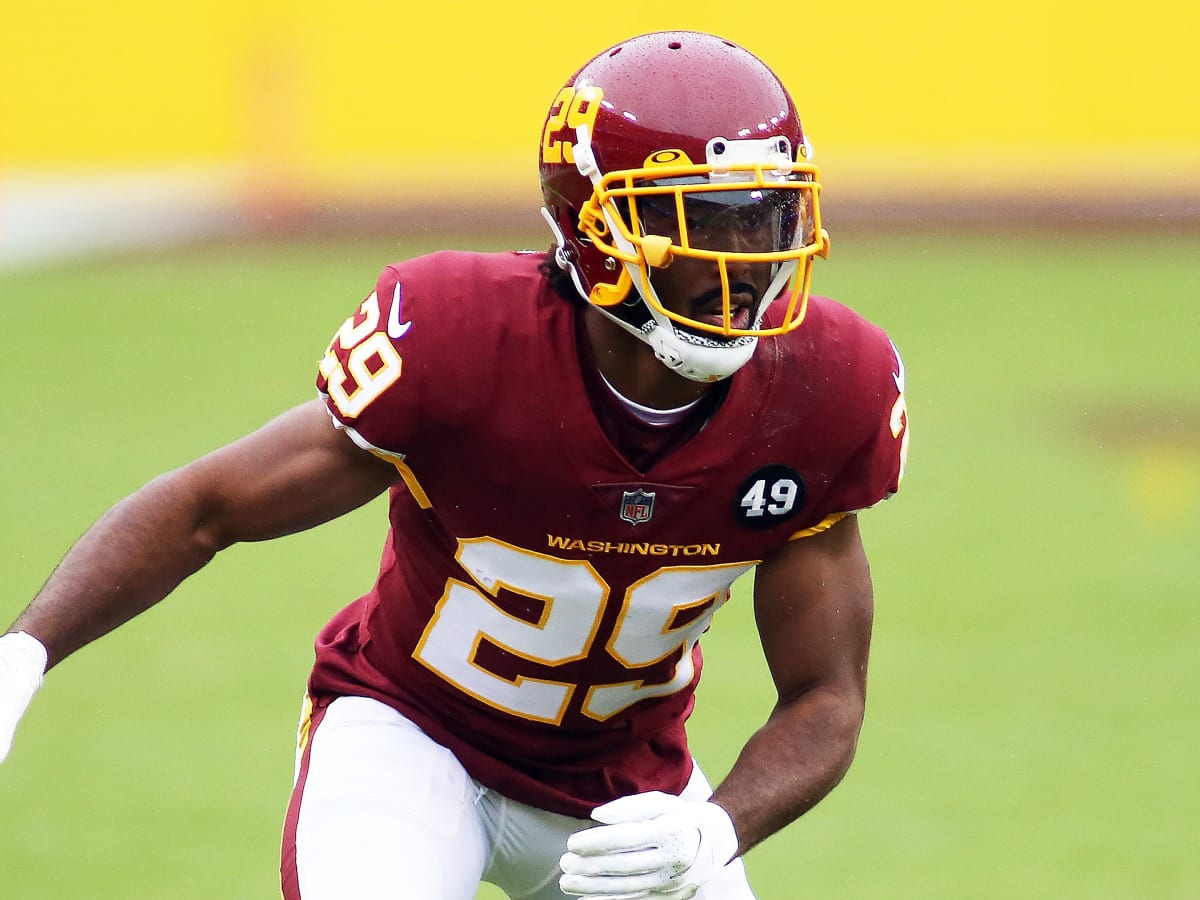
(650,845)
(22,663)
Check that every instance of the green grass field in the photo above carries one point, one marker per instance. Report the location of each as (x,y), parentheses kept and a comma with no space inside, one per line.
(1033,723)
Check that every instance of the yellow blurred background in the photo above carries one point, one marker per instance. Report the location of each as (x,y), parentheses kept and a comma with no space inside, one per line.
(269,104)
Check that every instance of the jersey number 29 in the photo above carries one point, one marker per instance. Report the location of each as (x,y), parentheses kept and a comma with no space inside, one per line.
(572,599)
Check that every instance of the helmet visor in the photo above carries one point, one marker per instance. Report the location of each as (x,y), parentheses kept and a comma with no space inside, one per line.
(757,220)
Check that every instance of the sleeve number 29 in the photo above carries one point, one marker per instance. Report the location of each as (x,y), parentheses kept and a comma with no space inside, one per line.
(372,363)
(573,598)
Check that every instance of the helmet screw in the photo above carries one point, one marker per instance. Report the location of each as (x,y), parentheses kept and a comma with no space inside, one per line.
(610,264)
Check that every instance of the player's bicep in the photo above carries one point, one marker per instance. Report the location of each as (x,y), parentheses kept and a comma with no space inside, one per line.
(814,606)
(293,473)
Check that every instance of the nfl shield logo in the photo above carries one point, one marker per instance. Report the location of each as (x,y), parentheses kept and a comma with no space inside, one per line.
(637,506)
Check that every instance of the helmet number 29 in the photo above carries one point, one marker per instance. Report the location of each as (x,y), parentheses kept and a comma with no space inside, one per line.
(571,109)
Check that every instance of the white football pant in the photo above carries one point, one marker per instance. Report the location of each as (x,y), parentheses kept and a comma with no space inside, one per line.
(382,811)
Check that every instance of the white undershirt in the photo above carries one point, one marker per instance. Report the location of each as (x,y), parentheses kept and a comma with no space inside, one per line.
(649,414)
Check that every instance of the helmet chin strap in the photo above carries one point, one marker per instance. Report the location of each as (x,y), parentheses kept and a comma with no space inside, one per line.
(691,361)
(696,363)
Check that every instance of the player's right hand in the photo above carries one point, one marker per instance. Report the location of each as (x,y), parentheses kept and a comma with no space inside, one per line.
(22,664)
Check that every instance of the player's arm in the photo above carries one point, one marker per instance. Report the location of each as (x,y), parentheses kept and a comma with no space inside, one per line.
(295,472)
(814,608)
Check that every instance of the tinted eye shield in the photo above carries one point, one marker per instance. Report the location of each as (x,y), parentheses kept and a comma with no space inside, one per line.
(744,197)
(759,220)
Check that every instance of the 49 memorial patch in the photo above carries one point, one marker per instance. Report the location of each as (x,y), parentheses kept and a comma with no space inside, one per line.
(769,496)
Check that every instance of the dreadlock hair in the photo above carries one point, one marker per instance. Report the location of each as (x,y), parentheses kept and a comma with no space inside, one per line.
(559,278)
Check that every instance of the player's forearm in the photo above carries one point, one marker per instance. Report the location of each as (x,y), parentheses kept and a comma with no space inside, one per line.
(134,555)
(791,763)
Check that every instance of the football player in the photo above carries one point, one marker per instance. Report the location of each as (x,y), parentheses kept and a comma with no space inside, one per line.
(583,451)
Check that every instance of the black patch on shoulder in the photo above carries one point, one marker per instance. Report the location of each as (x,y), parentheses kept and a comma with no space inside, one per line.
(771,495)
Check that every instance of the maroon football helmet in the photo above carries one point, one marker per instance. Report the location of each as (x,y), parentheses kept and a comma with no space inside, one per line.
(681,144)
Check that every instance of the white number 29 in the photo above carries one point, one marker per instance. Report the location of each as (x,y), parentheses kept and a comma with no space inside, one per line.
(572,599)
(372,361)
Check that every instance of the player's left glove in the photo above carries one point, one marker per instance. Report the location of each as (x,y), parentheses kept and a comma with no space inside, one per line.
(650,845)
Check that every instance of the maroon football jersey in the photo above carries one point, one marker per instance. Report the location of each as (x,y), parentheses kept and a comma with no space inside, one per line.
(540,600)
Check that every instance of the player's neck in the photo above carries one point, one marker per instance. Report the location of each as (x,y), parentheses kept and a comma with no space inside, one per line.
(630,367)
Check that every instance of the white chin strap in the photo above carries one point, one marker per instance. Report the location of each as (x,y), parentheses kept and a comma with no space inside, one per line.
(692,361)
(695,362)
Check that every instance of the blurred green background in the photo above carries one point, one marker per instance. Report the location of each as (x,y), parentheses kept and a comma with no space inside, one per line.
(1032,724)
